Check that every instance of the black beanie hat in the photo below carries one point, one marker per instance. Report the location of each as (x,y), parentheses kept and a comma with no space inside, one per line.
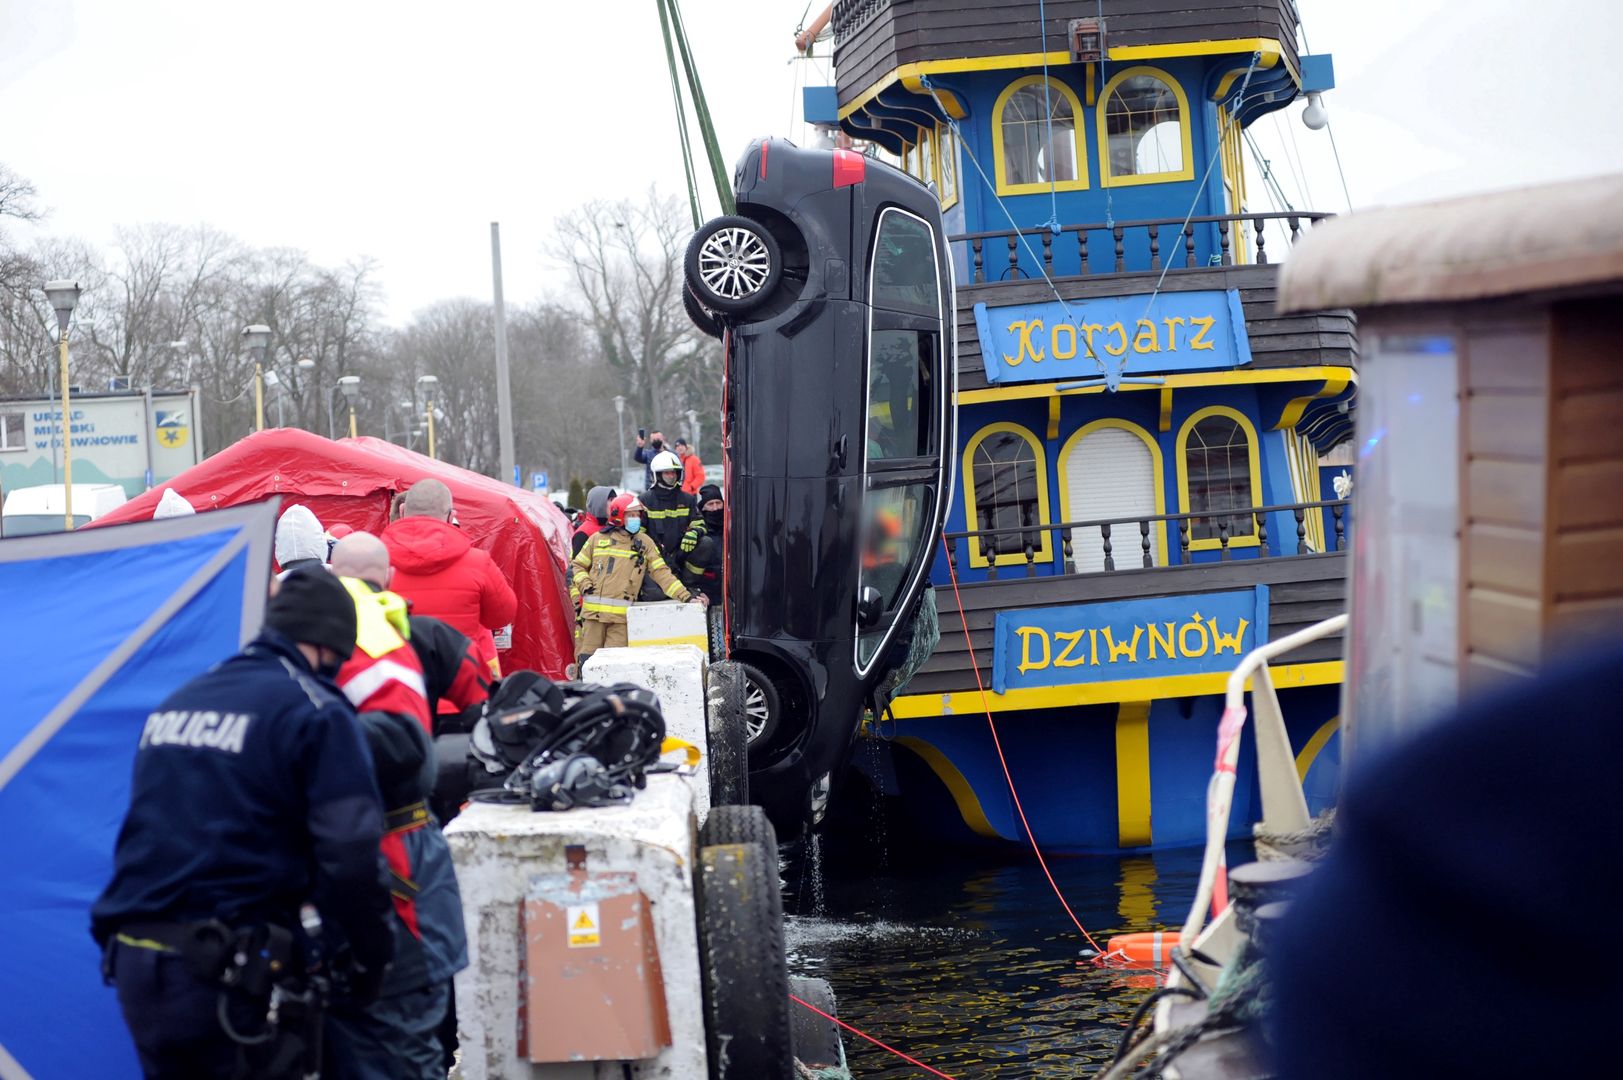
(313,607)
(708,492)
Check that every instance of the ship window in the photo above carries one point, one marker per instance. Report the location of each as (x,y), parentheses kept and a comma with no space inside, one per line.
(12,435)
(949,166)
(927,155)
(1219,451)
(1144,128)
(1005,488)
(1027,161)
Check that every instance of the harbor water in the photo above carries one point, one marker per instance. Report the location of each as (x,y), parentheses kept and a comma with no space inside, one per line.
(973,966)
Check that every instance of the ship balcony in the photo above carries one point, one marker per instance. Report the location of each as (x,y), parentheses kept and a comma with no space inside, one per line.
(1082,262)
(1176,245)
(1297,550)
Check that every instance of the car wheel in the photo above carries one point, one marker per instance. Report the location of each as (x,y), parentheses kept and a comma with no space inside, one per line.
(744,973)
(727,736)
(763,706)
(705,320)
(732,264)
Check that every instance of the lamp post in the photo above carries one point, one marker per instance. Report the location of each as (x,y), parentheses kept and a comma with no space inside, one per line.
(693,429)
(64,297)
(620,414)
(427,385)
(351,386)
(256,337)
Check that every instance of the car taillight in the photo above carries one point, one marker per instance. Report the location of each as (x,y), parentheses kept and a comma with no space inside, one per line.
(764,147)
(850,168)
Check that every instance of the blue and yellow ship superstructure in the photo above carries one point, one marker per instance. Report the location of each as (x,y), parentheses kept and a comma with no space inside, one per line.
(1140,436)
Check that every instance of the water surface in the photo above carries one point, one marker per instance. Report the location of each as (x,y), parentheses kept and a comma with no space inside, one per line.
(974,967)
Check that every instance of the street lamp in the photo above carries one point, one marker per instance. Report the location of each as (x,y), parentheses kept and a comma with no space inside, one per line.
(351,386)
(620,414)
(257,337)
(427,386)
(693,430)
(64,297)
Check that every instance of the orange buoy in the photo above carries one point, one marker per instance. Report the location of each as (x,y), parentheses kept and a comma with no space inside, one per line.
(1151,949)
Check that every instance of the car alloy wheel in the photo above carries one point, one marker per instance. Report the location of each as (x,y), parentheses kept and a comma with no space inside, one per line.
(732,265)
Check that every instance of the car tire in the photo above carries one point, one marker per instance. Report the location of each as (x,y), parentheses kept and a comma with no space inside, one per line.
(702,318)
(728,737)
(744,973)
(816,1039)
(763,707)
(733,265)
(738,825)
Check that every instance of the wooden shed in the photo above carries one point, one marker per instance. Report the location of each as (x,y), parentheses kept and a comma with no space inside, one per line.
(1489,474)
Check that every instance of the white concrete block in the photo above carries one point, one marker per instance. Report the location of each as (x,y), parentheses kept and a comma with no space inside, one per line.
(668,623)
(497,849)
(676,674)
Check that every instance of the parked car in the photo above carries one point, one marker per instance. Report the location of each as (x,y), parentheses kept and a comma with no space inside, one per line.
(832,289)
(32,510)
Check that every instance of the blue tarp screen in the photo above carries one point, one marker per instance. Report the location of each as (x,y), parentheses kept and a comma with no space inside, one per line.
(97,628)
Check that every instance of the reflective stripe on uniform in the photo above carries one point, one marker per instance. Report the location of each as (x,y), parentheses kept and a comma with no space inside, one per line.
(592,603)
(656,563)
(369,680)
(674,588)
(680,511)
(620,552)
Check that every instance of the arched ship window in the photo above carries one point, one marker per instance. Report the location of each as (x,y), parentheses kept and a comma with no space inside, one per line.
(1026,161)
(948,166)
(1218,448)
(1006,488)
(1144,129)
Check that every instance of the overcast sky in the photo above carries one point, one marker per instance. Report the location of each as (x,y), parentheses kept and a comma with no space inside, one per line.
(400,129)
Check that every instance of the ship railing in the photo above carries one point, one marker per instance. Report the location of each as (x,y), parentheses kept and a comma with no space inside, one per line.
(1135,542)
(1005,254)
(1284,806)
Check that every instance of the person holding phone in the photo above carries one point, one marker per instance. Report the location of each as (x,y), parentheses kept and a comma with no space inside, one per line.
(649,443)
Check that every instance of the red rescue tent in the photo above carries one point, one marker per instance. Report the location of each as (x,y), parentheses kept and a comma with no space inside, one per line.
(351,481)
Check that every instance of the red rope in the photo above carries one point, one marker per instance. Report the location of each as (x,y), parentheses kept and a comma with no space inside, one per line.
(1007,776)
(870,1038)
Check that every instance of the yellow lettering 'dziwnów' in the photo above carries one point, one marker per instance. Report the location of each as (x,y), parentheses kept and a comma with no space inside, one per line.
(1097,646)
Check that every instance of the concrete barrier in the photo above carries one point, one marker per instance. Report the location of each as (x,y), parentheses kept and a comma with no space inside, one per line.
(500,851)
(676,674)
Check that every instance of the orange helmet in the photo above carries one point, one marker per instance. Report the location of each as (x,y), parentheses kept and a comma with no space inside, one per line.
(619,507)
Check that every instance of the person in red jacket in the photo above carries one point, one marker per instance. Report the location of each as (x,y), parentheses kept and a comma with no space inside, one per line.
(692,467)
(443,575)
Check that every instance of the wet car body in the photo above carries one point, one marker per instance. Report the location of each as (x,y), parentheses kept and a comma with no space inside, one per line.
(837,415)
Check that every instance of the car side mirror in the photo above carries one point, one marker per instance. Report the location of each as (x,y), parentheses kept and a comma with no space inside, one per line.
(870,605)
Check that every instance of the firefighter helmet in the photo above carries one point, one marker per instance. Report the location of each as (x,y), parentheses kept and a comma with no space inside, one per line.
(624,504)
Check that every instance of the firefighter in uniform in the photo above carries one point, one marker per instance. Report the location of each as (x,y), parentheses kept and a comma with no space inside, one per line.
(608,574)
(252,794)
(701,554)
(668,509)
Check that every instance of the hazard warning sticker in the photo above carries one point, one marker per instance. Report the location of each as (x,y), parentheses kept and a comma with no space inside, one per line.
(584,926)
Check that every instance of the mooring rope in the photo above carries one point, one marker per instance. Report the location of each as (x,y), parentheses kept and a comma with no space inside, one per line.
(863,1034)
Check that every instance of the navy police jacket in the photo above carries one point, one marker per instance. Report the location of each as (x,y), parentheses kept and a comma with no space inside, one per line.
(252,794)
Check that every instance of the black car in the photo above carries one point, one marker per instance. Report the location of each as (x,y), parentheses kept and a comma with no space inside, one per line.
(832,289)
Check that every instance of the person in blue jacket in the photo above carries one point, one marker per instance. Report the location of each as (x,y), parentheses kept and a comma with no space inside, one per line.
(253,795)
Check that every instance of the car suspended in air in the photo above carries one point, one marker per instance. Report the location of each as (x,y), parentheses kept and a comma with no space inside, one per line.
(832,291)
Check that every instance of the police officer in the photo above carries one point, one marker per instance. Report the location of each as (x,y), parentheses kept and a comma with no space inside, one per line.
(252,795)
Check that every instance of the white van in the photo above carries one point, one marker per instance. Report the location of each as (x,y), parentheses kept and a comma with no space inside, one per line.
(31,510)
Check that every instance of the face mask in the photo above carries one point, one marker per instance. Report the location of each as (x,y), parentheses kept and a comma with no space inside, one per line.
(330,663)
(634,525)
(670,479)
(712,518)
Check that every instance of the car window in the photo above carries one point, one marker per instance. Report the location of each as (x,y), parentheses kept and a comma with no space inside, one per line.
(904,265)
(901,395)
(895,520)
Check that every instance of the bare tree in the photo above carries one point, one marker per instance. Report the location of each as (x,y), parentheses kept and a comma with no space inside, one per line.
(626,261)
